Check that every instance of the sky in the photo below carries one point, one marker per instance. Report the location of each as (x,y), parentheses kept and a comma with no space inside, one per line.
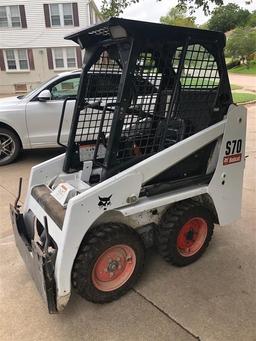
(152,10)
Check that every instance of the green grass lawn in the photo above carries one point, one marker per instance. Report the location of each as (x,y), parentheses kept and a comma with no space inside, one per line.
(241,97)
(244,70)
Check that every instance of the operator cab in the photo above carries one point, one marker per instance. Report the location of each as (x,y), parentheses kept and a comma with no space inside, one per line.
(145,87)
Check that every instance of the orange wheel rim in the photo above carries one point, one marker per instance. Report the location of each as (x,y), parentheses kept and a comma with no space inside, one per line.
(114,267)
(192,236)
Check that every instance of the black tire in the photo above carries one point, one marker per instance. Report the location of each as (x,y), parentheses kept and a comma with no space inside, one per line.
(100,239)
(168,232)
(13,148)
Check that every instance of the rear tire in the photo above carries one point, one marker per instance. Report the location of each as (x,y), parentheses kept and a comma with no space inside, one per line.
(184,232)
(109,263)
(9,146)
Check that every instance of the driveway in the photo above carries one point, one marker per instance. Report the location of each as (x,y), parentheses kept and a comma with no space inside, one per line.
(212,299)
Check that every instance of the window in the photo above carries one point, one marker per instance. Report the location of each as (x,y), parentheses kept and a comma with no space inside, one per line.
(16,59)
(65,88)
(58,57)
(67,15)
(55,14)
(23,59)
(10,16)
(3,17)
(20,88)
(64,58)
(15,16)
(11,62)
(61,15)
(71,57)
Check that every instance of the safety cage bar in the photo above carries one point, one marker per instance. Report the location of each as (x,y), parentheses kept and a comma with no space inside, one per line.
(159,95)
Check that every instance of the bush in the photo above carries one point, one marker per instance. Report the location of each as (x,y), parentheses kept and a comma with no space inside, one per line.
(232,64)
(241,43)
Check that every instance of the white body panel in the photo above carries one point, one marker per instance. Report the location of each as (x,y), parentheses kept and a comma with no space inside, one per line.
(227,197)
(84,209)
(43,119)
(12,113)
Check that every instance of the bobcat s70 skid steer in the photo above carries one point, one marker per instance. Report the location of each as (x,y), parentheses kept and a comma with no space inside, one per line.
(155,156)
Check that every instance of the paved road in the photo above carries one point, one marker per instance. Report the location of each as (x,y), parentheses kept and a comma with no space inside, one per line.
(247,82)
(214,299)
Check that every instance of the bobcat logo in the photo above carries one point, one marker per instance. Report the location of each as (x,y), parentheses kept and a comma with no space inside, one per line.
(104,202)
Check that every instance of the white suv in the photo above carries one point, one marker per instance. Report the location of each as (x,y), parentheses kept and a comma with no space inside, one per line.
(32,121)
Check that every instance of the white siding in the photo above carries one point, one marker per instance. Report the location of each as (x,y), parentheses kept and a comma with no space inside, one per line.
(36,34)
(31,78)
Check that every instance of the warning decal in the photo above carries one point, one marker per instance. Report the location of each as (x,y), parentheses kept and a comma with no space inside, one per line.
(227,160)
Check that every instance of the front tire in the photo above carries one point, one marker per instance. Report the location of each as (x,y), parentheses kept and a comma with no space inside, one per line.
(108,264)
(9,146)
(184,232)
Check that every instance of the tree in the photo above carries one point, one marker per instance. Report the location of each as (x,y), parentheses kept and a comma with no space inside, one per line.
(226,18)
(204,26)
(241,44)
(177,16)
(114,8)
(252,20)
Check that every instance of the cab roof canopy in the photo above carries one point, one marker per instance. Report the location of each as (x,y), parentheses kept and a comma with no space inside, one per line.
(115,28)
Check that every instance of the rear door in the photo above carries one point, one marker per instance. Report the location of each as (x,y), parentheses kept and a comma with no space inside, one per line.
(43,118)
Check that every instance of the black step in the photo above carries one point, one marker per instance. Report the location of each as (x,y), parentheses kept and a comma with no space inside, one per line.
(42,194)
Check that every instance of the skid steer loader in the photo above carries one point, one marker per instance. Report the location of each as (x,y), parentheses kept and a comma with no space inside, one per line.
(155,156)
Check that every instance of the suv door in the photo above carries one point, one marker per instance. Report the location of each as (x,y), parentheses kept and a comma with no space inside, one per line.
(43,118)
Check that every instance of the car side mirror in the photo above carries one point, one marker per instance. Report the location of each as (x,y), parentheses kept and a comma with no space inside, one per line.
(44,95)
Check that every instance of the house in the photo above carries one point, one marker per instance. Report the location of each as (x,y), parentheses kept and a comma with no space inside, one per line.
(32,45)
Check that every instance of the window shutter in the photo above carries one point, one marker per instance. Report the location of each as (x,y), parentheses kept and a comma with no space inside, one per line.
(31,59)
(49,57)
(2,65)
(47,16)
(75,14)
(78,57)
(23,16)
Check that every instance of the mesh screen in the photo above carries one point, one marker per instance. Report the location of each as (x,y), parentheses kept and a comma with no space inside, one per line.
(190,109)
(169,100)
(200,70)
(199,80)
(140,135)
(101,87)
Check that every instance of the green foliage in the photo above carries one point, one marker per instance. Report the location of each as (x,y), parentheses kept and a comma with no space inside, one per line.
(113,8)
(244,69)
(241,43)
(192,5)
(232,63)
(177,16)
(252,20)
(204,26)
(226,18)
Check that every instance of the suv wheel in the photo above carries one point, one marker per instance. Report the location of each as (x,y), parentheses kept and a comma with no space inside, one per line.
(9,146)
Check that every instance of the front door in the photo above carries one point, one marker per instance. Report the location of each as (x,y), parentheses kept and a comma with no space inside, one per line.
(43,118)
